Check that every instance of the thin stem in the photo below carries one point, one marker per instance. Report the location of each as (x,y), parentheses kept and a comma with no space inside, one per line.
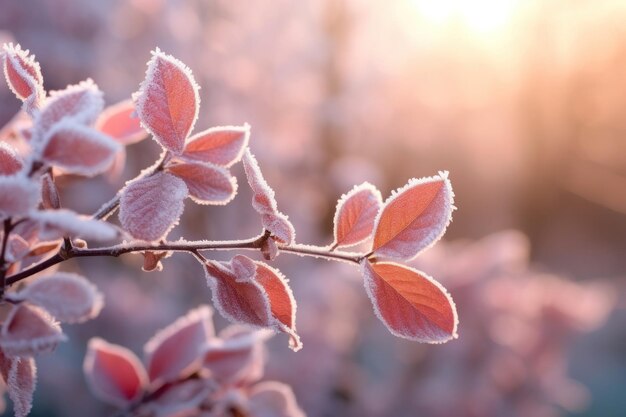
(322,252)
(3,251)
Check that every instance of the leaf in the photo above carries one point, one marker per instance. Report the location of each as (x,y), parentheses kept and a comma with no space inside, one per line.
(151,206)
(78,149)
(176,351)
(207,183)
(18,195)
(17,248)
(249,292)
(355,215)
(23,76)
(68,297)
(264,203)
(411,304)
(10,162)
(167,101)
(275,399)
(120,122)
(114,374)
(49,194)
(29,330)
(21,381)
(152,260)
(56,224)
(222,145)
(414,218)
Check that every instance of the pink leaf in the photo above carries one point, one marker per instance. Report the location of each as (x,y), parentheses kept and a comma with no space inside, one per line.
(78,149)
(264,203)
(24,77)
(167,101)
(176,351)
(411,304)
(119,122)
(49,194)
(253,293)
(151,206)
(222,145)
(66,296)
(10,162)
(21,382)
(17,248)
(355,215)
(207,183)
(56,224)
(29,330)
(414,217)
(152,260)
(182,399)
(273,399)
(114,374)
(18,195)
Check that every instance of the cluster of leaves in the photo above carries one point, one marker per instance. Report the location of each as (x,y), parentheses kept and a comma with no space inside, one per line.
(69,132)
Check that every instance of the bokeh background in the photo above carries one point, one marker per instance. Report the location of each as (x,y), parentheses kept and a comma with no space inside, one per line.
(523,101)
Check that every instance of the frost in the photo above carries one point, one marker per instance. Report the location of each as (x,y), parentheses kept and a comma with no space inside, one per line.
(49,194)
(10,162)
(23,76)
(18,195)
(355,215)
(21,382)
(222,145)
(56,224)
(207,183)
(120,122)
(29,330)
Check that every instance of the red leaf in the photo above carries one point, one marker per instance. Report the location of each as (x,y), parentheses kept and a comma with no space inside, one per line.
(68,297)
(414,217)
(222,145)
(18,195)
(49,194)
(120,122)
(264,203)
(29,330)
(207,183)
(167,101)
(151,206)
(56,224)
(355,215)
(78,149)
(114,374)
(411,304)
(274,399)
(10,162)
(24,77)
(21,381)
(176,351)
(152,260)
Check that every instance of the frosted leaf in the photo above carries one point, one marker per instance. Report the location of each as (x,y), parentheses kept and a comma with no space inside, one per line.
(18,195)
(273,399)
(56,224)
(269,249)
(78,149)
(414,218)
(120,122)
(29,330)
(411,304)
(17,248)
(10,162)
(68,297)
(23,76)
(151,206)
(207,183)
(355,215)
(280,227)
(167,101)
(114,374)
(21,382)
(49,194)
(152,260)
(222,145)
(182,399)
(176,351)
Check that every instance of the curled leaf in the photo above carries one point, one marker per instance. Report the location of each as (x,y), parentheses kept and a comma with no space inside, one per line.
(119,122)
(49,194)
(56,224)
(29,330)
(10,162)
(207,183)
(23,76)
(355,215)
(221,146)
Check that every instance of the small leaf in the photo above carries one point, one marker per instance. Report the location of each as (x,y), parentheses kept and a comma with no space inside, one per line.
(151,206)
(414,218)
(271,398)
(10,162)
(49,194)
(29,330)
(222,145)
(68,297)
(411,304)
(152,260)
(167,101)
(23,75)
(17,248)
(119,122)
(207,183)
(78,149)
(18,195)
(280,227)
(176,351)
(21,381)
(355,215)
(114,374)
(56,224)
